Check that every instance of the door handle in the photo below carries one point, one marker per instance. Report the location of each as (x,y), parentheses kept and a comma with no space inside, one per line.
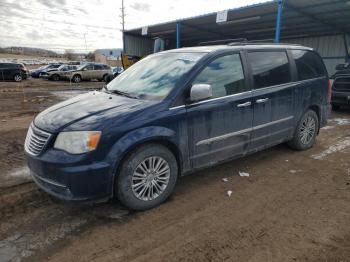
(262,100)
(245,104)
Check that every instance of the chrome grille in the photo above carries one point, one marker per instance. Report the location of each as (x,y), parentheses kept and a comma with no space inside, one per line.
(36,140)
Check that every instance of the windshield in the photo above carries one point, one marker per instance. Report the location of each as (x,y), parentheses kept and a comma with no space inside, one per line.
(154,76)
(62,68)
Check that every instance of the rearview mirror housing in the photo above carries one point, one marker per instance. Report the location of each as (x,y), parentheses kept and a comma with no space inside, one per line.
(200,92)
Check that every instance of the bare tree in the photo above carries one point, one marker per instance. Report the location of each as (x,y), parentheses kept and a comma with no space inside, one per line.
(69,54)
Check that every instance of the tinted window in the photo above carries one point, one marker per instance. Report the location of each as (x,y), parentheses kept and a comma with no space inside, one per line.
(225,75)
(309,65)
(89,67)
(98,67)
(269,68)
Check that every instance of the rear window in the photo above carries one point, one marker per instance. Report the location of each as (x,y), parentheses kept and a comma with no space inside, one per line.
(269,68)
(309,65)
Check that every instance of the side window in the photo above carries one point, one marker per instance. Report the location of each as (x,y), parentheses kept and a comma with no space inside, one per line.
(309,65)
(98,67)
(225,75)
(89,67)
(269,68)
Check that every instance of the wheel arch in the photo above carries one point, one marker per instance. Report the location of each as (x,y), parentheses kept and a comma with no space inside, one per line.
(125,146)
(317,110)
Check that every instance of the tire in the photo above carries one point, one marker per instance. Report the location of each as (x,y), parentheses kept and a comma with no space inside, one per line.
(106,78)
(76,78)
(306,131)
(128,188)
(55,77)
(17,78)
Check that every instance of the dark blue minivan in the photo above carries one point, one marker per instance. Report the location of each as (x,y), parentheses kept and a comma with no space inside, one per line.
(175,112)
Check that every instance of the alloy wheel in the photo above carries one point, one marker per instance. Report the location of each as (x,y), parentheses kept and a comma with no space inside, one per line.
(18,78)
(150,178)
(307,130)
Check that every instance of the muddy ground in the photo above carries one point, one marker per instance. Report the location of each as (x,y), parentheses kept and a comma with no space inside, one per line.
(294,206)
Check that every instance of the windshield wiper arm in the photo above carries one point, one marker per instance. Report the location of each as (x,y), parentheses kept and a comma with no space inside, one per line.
(123,93)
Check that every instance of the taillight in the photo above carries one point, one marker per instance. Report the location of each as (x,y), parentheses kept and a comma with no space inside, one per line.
(330,84)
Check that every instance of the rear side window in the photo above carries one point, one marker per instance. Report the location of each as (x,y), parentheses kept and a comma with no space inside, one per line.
(309,65)
(225,75)
(98,67)
(269,68)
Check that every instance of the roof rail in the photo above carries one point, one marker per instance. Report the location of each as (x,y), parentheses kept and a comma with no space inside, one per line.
(223,41)
(260,42)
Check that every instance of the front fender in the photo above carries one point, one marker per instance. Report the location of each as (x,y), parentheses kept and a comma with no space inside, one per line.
(137,137)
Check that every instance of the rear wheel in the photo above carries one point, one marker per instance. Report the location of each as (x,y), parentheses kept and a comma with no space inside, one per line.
(17,78)
(306,131)
(76,78)
(147,177)
(106,78)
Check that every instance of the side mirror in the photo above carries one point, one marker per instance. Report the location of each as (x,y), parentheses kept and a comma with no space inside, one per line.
(200,92)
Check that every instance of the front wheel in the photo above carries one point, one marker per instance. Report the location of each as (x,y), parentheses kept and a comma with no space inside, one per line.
(76,78)
(17,78)
(147,177)
(306,131)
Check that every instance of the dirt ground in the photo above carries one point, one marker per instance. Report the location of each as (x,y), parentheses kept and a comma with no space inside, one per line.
(294,206)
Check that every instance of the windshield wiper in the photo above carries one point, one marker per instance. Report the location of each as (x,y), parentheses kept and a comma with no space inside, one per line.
(118,92)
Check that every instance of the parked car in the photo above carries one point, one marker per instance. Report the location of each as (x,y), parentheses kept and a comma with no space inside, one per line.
(341,69)
(89,71)
(13,71)
(37,72)
(173,113)
(58,74)
(117,70)
(341,91)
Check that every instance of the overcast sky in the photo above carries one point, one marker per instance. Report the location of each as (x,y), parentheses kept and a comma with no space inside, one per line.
(67,24)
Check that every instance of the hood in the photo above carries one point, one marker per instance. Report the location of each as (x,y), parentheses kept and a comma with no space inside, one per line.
(97,104)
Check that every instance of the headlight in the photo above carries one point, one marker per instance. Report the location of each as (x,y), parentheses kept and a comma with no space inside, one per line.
(77,142)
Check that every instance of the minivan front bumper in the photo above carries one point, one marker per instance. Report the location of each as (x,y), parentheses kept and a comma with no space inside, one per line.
(74,182)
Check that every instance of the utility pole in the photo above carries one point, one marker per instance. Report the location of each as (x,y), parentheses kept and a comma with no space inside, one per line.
(123,23)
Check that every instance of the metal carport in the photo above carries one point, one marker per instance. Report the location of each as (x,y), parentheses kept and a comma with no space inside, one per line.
(321,24)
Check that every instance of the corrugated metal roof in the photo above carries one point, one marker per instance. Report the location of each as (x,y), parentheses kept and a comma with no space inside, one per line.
(300,19)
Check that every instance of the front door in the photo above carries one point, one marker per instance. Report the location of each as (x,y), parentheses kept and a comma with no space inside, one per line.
(272,98)
(219,128)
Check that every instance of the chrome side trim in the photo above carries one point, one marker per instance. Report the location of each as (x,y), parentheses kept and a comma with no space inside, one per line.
(218,138)
(177,107)
(273,122)
(228,135)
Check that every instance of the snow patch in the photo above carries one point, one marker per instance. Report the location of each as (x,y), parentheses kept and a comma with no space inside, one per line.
(22,172)
(243,174)
(340,121)
(339,146)
(327,127)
